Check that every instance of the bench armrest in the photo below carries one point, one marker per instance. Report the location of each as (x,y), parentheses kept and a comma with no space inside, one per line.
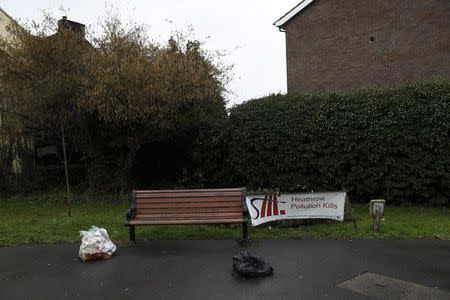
(131,212)
(244,203)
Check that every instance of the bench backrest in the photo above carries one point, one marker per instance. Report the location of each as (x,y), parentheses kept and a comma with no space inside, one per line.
(189,204)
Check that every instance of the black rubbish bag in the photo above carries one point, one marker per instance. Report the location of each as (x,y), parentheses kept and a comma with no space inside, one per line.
(251,266)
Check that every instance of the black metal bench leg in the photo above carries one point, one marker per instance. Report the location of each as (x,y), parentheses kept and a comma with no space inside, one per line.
(132,235)
(244,231)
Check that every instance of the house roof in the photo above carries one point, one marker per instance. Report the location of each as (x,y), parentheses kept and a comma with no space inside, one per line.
(293,12)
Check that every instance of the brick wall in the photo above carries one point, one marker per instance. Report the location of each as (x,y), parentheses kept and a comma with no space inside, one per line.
(329,45)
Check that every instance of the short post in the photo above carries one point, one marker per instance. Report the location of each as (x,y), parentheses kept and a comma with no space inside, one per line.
(377,212)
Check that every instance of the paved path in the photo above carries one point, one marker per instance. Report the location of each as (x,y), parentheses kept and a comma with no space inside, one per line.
(304,269)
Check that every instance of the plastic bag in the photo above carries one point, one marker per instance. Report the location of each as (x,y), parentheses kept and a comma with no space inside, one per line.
(96,244)
(251,266)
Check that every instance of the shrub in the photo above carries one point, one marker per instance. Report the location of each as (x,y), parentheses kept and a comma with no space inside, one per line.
(391,143)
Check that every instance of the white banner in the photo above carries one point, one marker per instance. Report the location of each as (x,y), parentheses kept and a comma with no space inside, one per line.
(266,208)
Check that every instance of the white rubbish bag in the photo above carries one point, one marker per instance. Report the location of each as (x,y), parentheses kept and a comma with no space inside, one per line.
(96,244)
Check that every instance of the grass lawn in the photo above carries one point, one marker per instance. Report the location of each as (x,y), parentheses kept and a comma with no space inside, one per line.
(43,219)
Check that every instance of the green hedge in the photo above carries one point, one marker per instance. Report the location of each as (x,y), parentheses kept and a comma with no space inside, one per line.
(392,143)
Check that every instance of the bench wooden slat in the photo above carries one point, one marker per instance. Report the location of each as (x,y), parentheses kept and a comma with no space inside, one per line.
(188,191)
(187,219)
(185,215)
(180,205)
(188,210)
(187,222)
(188,195)
(191,199)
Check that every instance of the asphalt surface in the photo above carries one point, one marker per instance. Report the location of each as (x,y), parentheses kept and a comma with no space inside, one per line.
(304,269)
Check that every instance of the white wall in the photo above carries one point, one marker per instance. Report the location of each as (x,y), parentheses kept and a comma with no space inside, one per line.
(5,20)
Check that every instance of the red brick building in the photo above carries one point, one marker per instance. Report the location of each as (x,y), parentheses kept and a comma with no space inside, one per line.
(335,45)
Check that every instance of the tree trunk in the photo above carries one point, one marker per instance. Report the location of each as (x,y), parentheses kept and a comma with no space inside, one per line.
(69,200)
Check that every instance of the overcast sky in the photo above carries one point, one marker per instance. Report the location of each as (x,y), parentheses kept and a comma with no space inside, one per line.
(243,28)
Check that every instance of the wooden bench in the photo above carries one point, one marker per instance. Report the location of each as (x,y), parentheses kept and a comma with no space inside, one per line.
(187,207)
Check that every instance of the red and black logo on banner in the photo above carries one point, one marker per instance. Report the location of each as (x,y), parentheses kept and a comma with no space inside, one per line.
(269,206)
